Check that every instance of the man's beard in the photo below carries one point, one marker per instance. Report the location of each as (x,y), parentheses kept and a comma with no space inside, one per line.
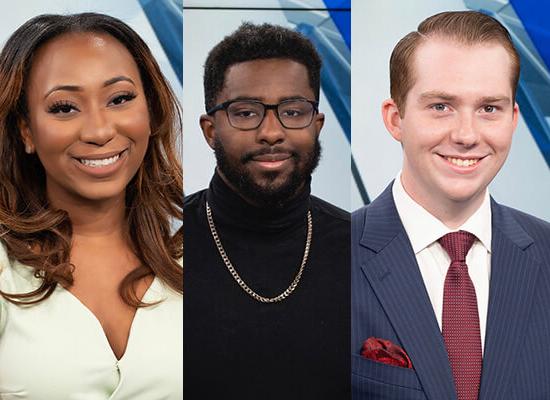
(267,195)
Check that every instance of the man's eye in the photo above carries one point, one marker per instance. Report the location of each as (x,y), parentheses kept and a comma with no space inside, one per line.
(123,98)
(490,109)
(292,113)
(244,113)
(439,107)
(62,107)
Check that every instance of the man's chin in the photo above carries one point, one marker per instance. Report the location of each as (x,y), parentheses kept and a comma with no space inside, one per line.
(274,193)
(270,181)
(264,187)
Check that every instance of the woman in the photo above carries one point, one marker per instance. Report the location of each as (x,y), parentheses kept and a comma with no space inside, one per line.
(90,192)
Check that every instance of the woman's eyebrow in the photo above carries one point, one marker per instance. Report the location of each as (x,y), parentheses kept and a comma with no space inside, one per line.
(118,79)
(76,88)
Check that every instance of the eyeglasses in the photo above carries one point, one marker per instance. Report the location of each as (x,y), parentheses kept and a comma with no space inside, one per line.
(249,114)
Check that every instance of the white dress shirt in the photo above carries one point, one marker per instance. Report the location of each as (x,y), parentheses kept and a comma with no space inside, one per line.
(423,230)
(57,349)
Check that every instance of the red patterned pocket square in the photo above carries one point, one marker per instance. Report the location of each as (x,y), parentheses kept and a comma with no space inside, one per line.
(386,352)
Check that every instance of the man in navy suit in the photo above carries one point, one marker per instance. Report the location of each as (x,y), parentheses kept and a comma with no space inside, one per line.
(450,290)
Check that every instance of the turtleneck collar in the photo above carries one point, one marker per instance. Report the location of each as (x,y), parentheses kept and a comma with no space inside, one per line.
(228,207)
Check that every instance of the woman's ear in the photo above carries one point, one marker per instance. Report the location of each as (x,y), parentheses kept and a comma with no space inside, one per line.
(26,136)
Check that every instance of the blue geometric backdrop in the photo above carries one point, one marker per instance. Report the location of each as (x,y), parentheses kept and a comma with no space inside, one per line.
(528,22)
(166,18)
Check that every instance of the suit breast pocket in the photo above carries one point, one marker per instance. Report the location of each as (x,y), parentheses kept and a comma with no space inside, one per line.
(374,380)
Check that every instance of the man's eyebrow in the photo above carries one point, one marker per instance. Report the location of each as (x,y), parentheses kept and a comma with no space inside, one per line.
(76,88)
(437,95)
(262,99)
(245,98)
(495,99)
(293,98)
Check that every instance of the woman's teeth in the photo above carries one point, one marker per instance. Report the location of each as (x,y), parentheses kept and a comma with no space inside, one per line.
(100,163)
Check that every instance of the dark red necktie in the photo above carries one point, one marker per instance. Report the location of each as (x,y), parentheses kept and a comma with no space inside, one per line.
(460,317)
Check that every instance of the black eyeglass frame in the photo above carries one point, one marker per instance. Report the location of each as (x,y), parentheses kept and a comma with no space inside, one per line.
(226,104)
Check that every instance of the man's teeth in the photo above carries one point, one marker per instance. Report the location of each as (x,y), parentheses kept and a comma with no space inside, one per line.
(462,163)
(100,163)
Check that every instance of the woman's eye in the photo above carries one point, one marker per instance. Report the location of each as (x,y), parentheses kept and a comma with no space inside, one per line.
(123,98)
(62,108)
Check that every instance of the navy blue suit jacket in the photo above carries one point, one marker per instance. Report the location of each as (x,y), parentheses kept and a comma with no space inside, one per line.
(390,301)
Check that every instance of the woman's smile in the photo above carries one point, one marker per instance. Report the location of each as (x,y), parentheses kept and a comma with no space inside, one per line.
(102,166)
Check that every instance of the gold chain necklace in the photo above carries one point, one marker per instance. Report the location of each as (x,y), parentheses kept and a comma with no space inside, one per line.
(237,277)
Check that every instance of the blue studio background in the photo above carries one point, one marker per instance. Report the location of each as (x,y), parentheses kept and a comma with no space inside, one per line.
(377,26)
(327,24)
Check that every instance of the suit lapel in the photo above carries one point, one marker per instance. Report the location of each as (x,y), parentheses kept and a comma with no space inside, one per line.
(513,278)
(394,275)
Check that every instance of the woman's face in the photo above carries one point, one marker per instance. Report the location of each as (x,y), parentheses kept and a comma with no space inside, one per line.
(88,119)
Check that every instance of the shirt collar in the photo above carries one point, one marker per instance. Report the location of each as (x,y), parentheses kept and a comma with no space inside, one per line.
(229,208)
(424,229)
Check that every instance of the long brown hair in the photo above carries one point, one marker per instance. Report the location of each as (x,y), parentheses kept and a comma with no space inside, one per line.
(39,236)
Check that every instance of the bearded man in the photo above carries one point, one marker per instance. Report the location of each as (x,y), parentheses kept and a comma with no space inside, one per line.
(267,282)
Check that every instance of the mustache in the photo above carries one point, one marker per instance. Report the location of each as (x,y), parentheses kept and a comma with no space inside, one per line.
(249,156)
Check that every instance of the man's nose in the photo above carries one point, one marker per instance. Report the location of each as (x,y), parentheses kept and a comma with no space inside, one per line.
(270,130)
(466,131)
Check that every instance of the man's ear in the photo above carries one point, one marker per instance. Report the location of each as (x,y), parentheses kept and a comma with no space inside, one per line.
(26,136)
(208,127)
(515,115)
(319,121)
(392,118)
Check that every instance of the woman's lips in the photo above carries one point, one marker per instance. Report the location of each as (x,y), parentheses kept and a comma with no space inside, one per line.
(98,156)
(101,167)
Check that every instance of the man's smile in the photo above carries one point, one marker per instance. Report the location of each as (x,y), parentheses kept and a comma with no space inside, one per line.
(462,164)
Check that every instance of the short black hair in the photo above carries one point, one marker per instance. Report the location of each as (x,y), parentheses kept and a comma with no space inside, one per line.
(258,42)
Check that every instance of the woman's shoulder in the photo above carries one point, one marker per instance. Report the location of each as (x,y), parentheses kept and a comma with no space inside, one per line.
(4,266)
(161,290)
(14,276)
(5,263)
(3,254)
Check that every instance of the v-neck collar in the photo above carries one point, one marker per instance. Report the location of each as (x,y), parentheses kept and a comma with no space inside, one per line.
(148,297)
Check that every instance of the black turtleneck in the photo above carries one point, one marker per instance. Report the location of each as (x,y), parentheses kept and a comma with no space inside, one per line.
(238,348)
